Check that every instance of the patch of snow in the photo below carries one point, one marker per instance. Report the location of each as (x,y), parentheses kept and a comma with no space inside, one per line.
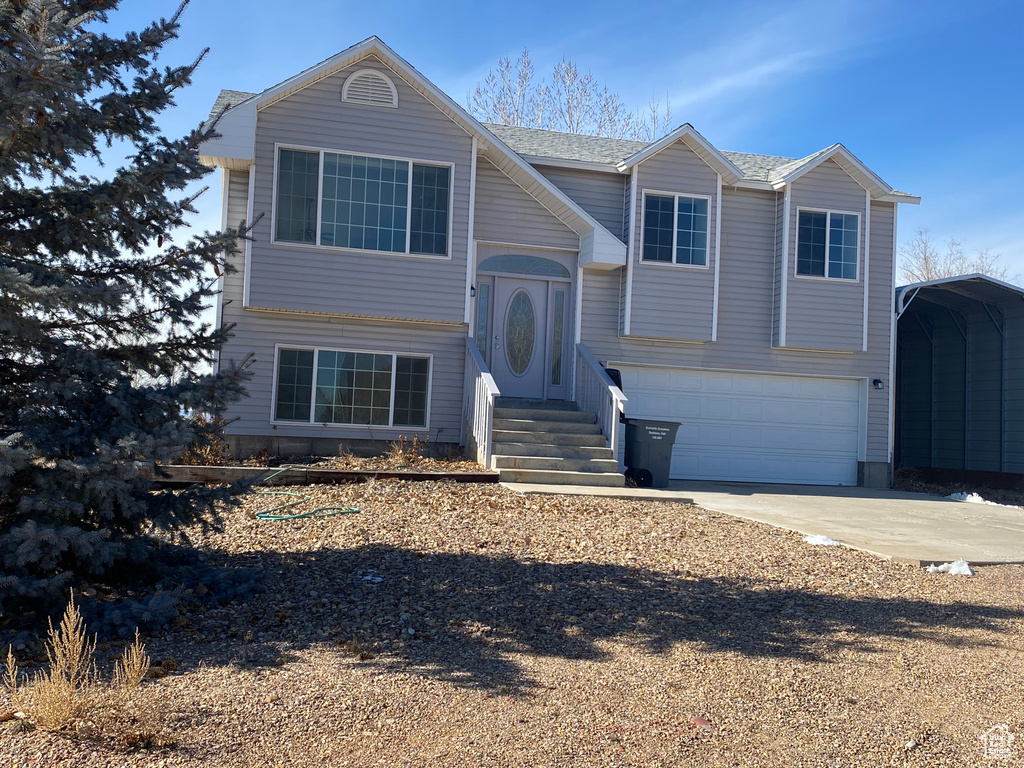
(370,577)
(973,498)
(957,568)
(821,541)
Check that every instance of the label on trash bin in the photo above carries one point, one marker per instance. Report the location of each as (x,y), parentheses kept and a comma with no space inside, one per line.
(656,433)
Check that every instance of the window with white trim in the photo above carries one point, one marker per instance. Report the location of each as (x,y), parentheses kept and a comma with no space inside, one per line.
(676,229)
(827,244)
(327,386)
(361,202)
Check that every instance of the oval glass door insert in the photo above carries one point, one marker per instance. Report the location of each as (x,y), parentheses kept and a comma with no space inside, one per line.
(520,332)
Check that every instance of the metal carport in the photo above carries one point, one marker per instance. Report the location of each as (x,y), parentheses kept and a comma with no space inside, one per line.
(959,393)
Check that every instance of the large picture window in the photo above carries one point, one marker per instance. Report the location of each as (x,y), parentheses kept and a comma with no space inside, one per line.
(364,203)
(676,230)
(827,244)
(345,387)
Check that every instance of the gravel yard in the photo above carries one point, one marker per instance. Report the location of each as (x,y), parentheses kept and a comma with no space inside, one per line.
(457,625)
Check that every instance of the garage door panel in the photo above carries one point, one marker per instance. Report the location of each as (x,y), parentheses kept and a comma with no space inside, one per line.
(753,427)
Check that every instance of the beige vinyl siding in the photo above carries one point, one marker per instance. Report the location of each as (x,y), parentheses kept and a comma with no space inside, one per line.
(237,191)
(823,313)
(506,214)
(880,319)
(670,301)
(360,283)
(745,314)
(599,194)
(257,333)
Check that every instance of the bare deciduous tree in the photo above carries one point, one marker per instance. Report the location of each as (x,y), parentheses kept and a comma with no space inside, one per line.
(921,260)
(573,102)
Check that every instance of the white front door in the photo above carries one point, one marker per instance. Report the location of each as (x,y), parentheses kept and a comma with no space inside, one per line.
(519,336)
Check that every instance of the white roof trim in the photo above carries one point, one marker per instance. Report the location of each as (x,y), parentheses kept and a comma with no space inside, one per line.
(962,278)
(846,160)
(701,146)
(558,162)
(598,246)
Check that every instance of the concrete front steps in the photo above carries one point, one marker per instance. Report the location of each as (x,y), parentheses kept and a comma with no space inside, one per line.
(551,442)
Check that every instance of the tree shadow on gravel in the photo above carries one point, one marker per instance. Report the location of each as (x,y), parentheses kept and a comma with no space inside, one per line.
(464,617)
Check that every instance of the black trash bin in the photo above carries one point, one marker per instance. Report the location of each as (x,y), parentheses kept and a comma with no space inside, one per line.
(649,451)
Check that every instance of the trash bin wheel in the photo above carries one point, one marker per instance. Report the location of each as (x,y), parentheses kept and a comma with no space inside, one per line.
(639,477)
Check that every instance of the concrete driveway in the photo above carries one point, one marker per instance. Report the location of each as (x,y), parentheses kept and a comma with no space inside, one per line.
(913,527)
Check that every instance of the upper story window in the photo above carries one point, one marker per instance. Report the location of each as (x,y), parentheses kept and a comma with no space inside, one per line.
(364,203)
(676,229)
(827,244)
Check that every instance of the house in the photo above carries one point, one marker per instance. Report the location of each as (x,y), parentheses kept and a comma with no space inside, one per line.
(410,265)
(960,375)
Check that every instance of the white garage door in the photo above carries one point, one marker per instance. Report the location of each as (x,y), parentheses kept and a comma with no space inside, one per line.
(752,427)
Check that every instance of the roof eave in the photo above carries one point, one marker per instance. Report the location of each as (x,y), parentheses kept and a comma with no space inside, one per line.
(940,281)
(603,244)
(850,163)
(692,138)
(561,162)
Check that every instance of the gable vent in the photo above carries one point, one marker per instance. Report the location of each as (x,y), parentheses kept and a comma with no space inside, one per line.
(368,86)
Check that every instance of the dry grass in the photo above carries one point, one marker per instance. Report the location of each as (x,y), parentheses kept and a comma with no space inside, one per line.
(464,625)
(69,694)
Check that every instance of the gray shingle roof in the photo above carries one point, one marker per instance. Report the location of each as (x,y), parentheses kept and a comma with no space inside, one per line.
(535,142)
(539,143)
(564,146)
(228,99)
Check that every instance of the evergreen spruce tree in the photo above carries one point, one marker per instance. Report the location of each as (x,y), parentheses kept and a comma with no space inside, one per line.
(101,343)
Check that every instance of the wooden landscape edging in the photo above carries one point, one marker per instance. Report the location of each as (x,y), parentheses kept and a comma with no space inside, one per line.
(188,474)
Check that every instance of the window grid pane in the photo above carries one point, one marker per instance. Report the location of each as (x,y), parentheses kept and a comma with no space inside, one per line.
(353,388)
(294,384)
(692,226)
(810,249)
(297,178)
(411,375)
(842,249)
(483,314)
(557,338)
(364,202)
(658,228)
(428,230)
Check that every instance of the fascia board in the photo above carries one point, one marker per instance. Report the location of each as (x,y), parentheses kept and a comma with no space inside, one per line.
(701,146)
(898,198)
(962,278)
(849,163)
(557,162)
(517,168)
(235,148)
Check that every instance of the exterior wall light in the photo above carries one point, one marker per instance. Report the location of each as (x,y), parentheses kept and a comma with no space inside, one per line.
(878,384)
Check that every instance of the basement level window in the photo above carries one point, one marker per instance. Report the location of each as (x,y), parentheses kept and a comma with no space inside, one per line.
(329,386)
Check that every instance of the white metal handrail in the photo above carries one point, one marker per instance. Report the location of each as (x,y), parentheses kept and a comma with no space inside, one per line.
(597,393)
(479,393)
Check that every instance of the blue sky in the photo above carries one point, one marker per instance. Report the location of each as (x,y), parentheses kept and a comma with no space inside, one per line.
(930,95)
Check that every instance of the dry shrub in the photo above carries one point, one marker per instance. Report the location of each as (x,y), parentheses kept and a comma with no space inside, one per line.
(213,453)
(68,688)
(130,670)
(70,692)
(405,452)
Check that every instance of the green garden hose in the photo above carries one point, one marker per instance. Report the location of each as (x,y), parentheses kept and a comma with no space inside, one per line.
(300,498)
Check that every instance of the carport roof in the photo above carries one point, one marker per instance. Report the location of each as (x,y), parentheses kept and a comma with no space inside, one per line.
(976,286)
